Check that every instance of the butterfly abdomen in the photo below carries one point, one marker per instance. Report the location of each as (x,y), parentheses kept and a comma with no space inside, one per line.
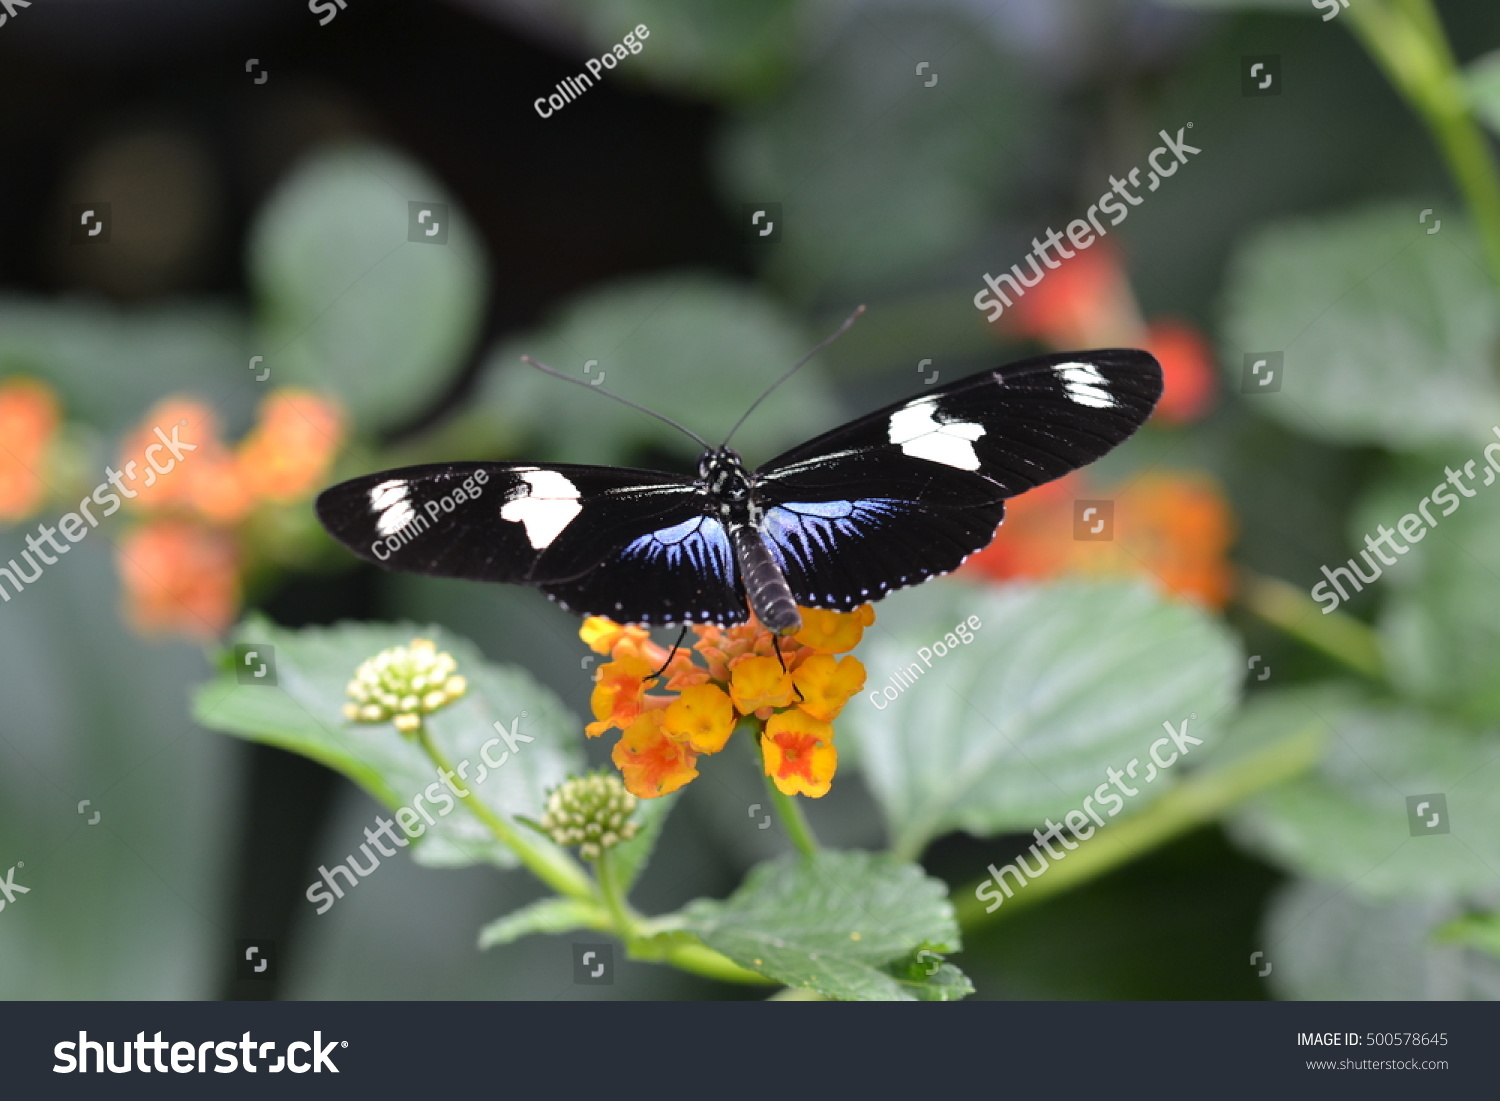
(770,596)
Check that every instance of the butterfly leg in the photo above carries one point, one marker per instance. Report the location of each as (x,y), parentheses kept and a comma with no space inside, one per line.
(675,647)
(776,645)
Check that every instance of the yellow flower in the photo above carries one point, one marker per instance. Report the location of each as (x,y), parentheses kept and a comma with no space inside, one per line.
(650,760)
(834,632)
(827,684)
(758,682)
(703,715)
(602,634)
(619,694)
(799,755)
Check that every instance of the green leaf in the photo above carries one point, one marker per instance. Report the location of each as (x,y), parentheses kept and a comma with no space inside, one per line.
(303,713)
(1327,943)
(348,302)
(545,915)
(1060,683)
(1438,624)
(1483,80)
(732,48)
(881,167)
(1387,330)
(631,857)
(1481,931)
(695,349)
(1348,820)
(834,923)
(930,978)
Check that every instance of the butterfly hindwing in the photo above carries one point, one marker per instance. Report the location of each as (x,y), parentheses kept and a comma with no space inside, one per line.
(579,532)
(909,491)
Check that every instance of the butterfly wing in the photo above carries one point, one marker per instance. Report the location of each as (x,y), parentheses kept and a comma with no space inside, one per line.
(909,491)
(634,545)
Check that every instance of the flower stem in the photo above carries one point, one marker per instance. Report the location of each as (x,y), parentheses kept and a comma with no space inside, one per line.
(614,897)
(1340,636)
(1406,39)
(552,866)
(1197,801)
(792,820)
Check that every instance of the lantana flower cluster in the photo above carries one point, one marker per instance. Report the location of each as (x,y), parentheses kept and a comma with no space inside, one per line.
(729,676)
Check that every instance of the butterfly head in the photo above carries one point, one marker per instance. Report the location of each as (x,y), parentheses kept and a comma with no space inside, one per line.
(723,473)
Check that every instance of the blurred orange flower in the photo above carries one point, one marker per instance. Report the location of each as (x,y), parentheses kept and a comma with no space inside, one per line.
(288,453)
(29,418)
(179,577)
(1173,528)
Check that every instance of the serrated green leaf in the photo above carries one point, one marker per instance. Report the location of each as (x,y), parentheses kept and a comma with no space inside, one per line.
(303,713)
(930,978)
(831,923)
(1060,683)
(1348,820)
(546,915)
(1327,943)
(1388,331)
(348,302)
(1438,625)
(695,349)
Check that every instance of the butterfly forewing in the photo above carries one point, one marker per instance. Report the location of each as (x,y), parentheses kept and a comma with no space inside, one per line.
(909,491)
(510,522)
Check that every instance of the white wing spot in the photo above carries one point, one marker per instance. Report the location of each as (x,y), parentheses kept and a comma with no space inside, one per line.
(549,506)
(1085,385)
(922,436)
(390,500)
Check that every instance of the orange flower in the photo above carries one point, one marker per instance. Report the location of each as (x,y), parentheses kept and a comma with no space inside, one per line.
(827,684)
(170,483)
(29,417)
(834,632)
(650,760)
(288,452)
(703,716)
(1187,367)
(619,694)
(758,682)
(1174,528)
(798,753)
(179,577)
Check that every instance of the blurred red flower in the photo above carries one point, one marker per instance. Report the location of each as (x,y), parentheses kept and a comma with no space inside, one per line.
(29,418)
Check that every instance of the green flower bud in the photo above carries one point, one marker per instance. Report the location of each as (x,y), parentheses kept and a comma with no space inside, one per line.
(402,684)
(592,812)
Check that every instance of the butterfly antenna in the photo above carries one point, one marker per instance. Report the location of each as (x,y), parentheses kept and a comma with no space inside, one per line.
(840,331)
(555,373)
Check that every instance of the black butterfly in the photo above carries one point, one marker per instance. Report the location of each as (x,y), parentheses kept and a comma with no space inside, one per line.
(888,500)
